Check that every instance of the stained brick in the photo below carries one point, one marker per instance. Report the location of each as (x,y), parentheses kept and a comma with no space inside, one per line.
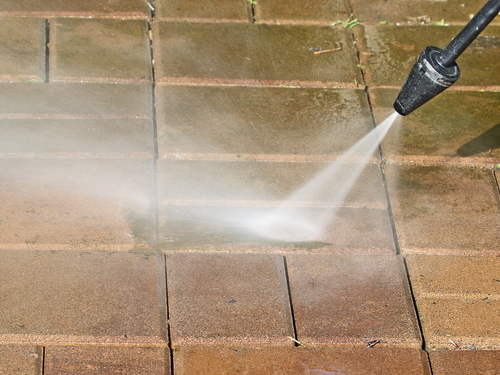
(213,11)
(97,50)
(21,360)
(199,53)
(22,49)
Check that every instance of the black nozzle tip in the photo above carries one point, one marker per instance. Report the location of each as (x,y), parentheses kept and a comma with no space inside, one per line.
(427,79)
(400,109)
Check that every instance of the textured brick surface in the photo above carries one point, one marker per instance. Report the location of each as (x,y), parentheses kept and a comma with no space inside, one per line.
(76,138)
(257,183)
(76,204)
(96,50)
(416,12)
(22,49)
(465,362)
(67,100)
(88,8)
(457,299)
(228,360)
(323,12)
(217,228)
(356,300)
(81,297)
(445,210)
(224,122)
(389,52)
(455,128)
(193,10)
(20,360)
(92,360)
(228,298)
(256,54)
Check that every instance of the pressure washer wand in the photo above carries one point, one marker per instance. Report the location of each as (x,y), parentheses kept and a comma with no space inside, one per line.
(435,69)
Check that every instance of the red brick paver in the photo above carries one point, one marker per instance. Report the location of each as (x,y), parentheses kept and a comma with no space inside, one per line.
(445,210)
(465,362)
(257,55)
(23,49)
(82,297)
(228,360)
(352,300)
(21,359)
(228,299)
(96,50)
(90,360)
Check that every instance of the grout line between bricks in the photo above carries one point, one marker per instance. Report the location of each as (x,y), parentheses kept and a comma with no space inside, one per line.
(290,302)
(47,50)
(415,305)
(42,362)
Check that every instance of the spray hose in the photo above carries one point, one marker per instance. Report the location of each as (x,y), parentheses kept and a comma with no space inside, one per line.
(435,69)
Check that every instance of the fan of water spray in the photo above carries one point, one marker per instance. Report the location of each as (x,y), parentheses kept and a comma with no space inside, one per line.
(293,222)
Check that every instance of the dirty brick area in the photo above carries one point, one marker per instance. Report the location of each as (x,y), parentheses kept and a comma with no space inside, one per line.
(140,140)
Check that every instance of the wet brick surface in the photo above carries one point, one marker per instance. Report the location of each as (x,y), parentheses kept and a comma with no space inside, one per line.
(77,204)
(69,100)
(465,362)
(69,138)
(456,128)
(277,123)
(88,8)
(228,360)
(223,228)
(78,297)
(97,50)
(212,11)
(324,12)
(257,54)
(457,300)
(389,52)
(90,360)
(23,51)
(228,299)
(416,12)
(21,360)
(445,210)
(355,300)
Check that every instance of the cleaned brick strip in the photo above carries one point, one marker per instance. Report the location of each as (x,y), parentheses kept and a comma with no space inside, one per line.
(225,228)
(71,100)
(228,299)
(358,300)
(465,362)
(65,297)
(21,359)
(445,210)
(228,360)
(83,204)
(86,360)
(458,300)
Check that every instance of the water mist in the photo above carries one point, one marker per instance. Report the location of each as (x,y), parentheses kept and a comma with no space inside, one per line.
(292,222)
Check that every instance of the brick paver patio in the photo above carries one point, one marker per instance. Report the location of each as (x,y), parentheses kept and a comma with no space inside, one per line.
(137,139)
